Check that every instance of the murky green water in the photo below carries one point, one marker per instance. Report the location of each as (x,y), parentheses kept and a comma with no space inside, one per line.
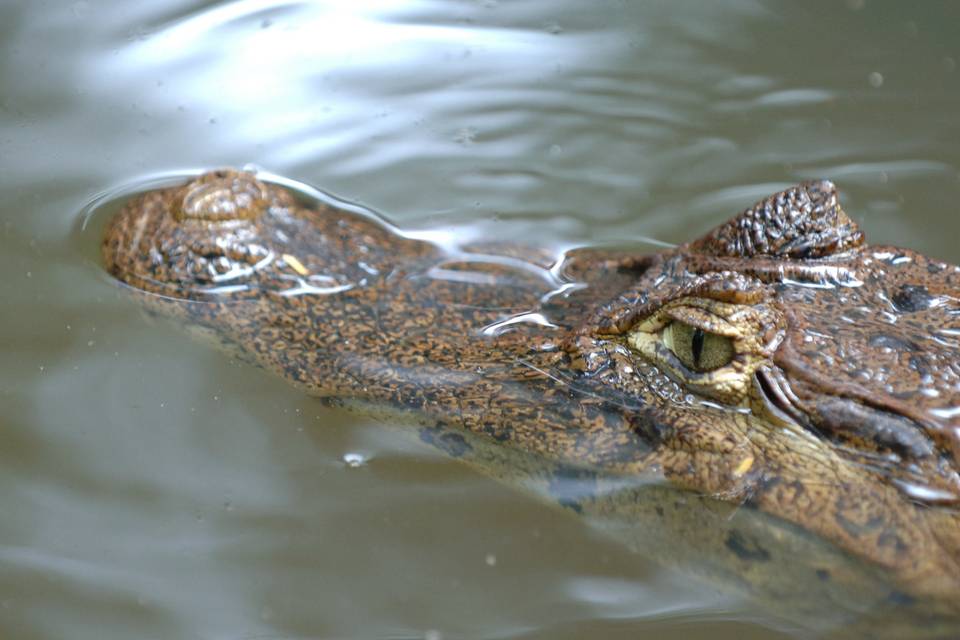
(152,488)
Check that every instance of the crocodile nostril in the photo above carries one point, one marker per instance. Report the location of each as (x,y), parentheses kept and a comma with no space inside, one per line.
(221,196)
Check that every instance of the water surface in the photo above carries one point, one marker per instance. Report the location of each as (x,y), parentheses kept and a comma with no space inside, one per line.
(152,488)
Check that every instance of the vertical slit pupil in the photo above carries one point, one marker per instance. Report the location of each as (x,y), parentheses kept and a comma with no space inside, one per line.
(697,346)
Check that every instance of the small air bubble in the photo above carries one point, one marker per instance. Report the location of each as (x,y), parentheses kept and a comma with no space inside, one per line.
(491,560)
(355,459)
(875,79)
(465,136)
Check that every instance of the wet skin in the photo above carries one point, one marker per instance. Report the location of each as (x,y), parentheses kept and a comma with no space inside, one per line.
(778,366)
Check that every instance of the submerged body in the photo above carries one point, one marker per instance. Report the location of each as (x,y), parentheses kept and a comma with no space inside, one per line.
(776,403)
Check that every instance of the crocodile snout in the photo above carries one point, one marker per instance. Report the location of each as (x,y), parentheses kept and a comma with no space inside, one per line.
(196,238)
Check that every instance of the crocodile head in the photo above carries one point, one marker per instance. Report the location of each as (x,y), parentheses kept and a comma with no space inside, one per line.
(787,314)
(779,362)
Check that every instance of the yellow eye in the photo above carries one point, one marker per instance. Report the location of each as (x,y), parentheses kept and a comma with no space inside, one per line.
(698,350)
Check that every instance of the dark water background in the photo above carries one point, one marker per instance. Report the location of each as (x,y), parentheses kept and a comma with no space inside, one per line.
(151,488)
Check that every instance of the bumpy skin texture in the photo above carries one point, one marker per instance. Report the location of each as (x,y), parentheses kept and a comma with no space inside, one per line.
(838,416)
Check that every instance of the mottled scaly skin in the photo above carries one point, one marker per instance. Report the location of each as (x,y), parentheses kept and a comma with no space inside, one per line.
(824,473)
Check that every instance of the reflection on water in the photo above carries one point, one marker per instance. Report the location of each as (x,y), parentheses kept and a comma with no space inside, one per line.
(154,489)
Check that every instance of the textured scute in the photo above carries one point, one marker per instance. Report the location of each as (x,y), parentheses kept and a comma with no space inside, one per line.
(802,222)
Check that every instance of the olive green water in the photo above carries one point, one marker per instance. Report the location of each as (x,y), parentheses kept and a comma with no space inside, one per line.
(152,488)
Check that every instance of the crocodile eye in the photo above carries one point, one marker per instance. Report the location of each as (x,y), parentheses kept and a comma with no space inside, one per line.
(697,349)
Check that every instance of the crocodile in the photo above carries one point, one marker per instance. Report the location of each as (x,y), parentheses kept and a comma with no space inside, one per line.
(776,402)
